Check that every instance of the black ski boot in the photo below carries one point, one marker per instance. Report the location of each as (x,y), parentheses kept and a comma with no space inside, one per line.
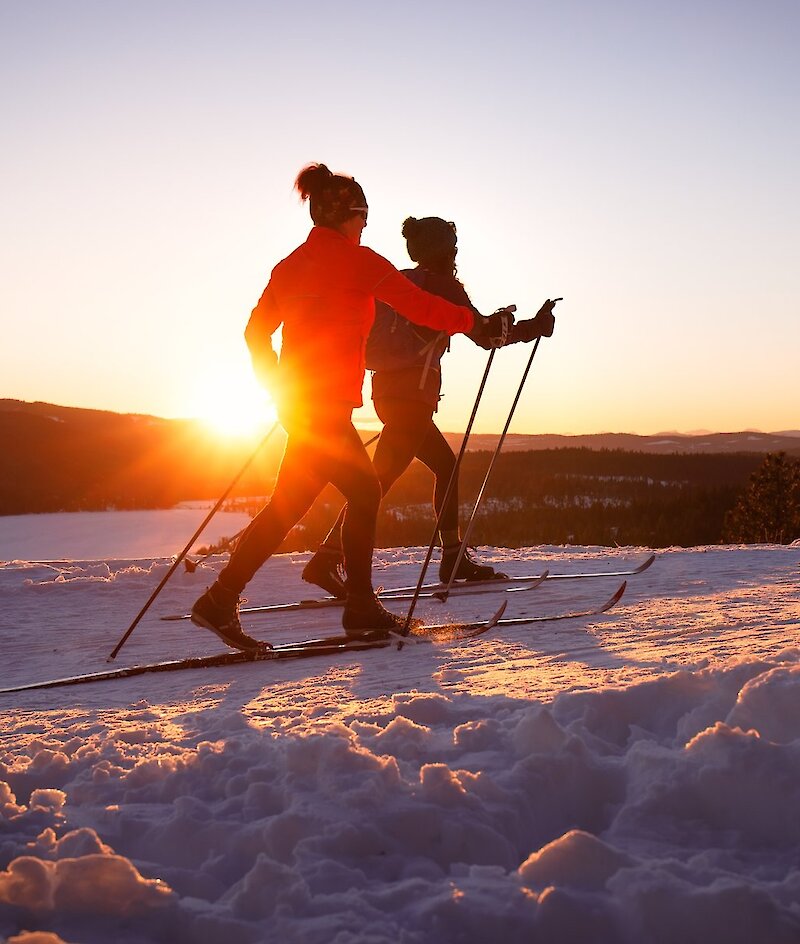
(365,615)
(468,568)
(218,610)
(325,570)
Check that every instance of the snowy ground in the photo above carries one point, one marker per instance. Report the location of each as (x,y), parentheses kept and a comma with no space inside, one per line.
(630,778)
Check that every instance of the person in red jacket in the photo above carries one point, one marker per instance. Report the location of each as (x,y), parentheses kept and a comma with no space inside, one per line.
(406,388)
(324,295)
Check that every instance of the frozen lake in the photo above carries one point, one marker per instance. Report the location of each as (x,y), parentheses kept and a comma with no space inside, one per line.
(95,535)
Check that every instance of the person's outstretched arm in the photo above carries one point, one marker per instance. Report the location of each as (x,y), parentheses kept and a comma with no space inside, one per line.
(381,279)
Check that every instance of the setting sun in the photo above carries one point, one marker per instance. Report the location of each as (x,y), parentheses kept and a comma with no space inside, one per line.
(239,408)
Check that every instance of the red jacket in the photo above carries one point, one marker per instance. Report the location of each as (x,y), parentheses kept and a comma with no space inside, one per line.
(324,295)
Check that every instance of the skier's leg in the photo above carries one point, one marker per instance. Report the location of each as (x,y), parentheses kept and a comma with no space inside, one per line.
(325,567)
(301,478)
(436,453)
(354,476)
(405,424)
(410,432)
(333,539)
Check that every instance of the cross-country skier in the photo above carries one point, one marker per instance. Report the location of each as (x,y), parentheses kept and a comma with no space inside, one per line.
(406,386)
(324,295)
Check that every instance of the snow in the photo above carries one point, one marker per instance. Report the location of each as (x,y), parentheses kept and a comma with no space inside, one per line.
(628,778)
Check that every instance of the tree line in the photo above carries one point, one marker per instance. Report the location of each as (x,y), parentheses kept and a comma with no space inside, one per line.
(64,459)
(583,496)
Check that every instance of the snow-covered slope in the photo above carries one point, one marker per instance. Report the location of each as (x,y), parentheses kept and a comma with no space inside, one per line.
(630,778)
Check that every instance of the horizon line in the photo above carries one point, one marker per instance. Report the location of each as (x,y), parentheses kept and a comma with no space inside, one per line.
(789,433)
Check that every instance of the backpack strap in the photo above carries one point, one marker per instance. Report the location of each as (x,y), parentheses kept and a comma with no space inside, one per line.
(431,346)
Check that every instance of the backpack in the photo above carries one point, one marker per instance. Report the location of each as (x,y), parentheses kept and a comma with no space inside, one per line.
(394,342)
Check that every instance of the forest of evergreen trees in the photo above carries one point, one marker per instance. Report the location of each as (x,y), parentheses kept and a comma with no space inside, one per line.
(563,496)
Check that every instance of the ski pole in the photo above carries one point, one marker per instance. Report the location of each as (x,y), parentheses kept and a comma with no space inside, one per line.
(443,595)
(450,484)
(372,439)
(192,565)
(186,549)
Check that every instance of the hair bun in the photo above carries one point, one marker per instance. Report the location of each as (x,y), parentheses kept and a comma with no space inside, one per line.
(332,197)
(410,226)
(312,180)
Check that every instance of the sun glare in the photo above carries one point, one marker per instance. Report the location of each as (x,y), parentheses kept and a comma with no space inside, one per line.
(239,408)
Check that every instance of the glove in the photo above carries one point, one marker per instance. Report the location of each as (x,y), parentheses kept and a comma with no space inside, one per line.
(539,327)
(495,330)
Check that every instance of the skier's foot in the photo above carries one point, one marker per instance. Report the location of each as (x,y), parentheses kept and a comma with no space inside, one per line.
(218,610)
(468,568)
(325,570)
(365,615)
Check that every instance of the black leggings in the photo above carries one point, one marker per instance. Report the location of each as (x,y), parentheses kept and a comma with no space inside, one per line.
(322,450)
(409,432)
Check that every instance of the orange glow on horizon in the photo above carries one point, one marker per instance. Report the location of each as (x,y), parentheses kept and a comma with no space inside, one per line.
(238,408)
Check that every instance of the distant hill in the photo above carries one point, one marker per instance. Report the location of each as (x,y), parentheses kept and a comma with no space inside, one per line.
(745,441)
(57,458)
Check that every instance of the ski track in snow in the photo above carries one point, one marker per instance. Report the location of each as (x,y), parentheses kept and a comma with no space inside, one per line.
(628,778)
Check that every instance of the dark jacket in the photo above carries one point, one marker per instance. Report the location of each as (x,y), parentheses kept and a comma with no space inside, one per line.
(423,382)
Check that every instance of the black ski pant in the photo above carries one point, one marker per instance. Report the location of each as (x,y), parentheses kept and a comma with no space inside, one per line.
(409,432)
(319,450)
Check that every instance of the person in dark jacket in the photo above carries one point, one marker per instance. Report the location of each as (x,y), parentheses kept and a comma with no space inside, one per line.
(324,295)
(406,387)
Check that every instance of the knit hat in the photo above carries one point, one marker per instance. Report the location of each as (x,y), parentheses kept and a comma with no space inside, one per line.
(429,238)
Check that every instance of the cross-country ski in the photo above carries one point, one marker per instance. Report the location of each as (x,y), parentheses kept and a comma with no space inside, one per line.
(473,589)
(518,584)
(440,633)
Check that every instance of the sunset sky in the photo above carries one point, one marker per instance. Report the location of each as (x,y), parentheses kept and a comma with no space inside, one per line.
(638,158)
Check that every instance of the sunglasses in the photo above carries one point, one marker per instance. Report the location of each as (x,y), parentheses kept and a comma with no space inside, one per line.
(362,211)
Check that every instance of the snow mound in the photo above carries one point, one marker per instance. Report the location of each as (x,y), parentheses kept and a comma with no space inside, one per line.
(656,812)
